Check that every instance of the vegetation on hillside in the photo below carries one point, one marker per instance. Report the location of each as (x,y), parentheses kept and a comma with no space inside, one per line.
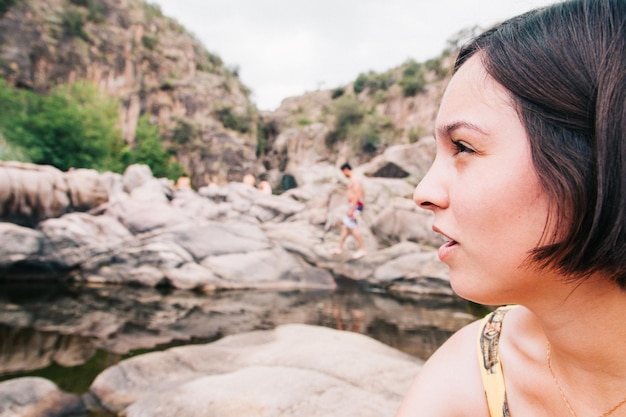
(75,126)
(412,76)
(5,5)
(362,127)
(354,115)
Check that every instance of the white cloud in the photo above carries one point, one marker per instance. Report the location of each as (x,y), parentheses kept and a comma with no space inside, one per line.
(286,47)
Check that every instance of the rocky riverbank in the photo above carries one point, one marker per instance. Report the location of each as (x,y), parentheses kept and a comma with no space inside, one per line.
(137,229)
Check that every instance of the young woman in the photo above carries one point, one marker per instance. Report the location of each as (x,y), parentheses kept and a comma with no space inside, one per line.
(528,189)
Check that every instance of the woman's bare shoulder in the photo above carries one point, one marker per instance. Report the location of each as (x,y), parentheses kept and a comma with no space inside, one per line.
(449,384)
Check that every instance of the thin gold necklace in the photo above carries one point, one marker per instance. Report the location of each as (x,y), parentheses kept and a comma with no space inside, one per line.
(569,406)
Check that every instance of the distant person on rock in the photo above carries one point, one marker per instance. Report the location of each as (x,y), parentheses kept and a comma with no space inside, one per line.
(355,195)
(264,184)
(249,179)
(183,183)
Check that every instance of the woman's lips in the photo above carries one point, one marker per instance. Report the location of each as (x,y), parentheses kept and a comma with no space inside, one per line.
(447,249)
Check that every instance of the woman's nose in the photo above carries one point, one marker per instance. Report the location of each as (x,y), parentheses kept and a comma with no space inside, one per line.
(431,192)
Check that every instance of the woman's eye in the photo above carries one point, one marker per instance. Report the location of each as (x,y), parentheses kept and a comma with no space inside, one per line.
(461,147)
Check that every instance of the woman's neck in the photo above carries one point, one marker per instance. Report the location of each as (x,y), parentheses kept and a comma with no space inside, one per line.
(583,324)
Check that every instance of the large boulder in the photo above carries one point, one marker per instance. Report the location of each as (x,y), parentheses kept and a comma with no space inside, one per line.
(30,193)
(19,244)
(402,161)
(401,220)
(77,237)
(86,189)
(36,397)
(294,370)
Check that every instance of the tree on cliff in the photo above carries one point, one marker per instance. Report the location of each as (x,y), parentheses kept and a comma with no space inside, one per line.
(72,126)
(76,126)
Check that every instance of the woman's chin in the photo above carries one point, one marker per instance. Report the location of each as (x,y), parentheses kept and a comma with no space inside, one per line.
(468,289)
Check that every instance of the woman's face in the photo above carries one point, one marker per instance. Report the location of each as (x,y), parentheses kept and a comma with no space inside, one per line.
(483,190)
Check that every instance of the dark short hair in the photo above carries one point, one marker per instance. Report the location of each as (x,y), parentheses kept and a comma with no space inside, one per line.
(565,68)
(346,166)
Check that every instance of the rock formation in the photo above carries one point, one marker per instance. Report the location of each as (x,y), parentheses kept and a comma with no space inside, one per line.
(37,397)
(220,237)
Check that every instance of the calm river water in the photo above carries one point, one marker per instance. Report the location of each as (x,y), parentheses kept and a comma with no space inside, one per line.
(69,334)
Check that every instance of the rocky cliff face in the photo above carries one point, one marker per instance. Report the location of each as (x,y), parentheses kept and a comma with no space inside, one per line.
(129,49)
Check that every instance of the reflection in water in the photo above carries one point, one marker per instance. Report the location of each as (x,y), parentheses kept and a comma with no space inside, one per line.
(72,333)
(26,349)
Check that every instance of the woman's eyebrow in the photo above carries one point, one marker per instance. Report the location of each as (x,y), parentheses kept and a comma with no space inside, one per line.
(448,129)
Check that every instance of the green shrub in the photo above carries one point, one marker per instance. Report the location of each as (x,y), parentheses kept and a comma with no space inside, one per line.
(348,112)
(6,5)
(73,21)
(233,70)
(413,78)
(380,82)
(337,92)
(412,85)
(12,152)
(149,42)
(152,10)
(73,126)
(96,10)
(366,137)
(411,68)
(266,131)
(149,150)
(373,82)
(233,120)
(207,61)
(359,84)
(415,134)
(184,131)
(435,65)
(303,121)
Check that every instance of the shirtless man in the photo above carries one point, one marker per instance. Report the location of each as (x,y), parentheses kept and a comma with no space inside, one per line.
(355,195)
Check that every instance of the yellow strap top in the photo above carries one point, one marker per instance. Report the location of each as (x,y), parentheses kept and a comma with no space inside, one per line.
(489,362)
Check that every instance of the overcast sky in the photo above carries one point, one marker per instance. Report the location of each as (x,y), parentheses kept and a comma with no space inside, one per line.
(287,47)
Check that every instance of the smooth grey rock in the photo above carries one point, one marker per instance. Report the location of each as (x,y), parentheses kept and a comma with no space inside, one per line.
(135,176)
(273,268)
(18,243)
(294,370)
(146,216)
(412,265)
(402,220)
(30,193)
(86,189)
(36,397)
(77,237)
(190,276)
(213,239)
